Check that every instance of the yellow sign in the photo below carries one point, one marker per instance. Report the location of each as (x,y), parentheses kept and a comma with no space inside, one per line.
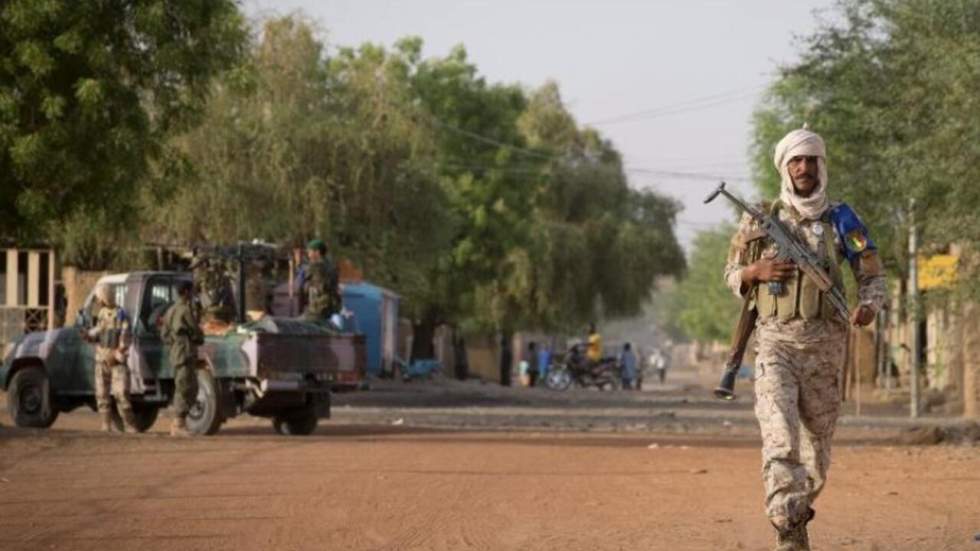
(937,271)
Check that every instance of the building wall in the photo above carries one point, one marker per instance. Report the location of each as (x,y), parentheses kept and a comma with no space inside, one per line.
(483,355)
(971,361)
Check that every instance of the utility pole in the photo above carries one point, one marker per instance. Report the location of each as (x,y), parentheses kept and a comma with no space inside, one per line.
(914,313)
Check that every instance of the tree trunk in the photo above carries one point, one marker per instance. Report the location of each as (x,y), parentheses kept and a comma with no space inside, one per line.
(506,357)
(461,366)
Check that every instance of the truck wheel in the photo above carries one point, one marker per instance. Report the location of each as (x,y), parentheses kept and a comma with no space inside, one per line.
(205,415)
(29,399)
(298,422)
(145,416)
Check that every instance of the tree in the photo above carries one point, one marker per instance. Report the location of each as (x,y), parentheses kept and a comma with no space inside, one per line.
(297,145)
(888,85)
(88,93)
(596,246)
(701,305)
(474,200)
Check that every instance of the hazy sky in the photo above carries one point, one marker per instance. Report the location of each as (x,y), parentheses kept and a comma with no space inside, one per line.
(675,81)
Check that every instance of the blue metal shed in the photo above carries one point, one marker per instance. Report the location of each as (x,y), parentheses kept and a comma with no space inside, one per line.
(375,312)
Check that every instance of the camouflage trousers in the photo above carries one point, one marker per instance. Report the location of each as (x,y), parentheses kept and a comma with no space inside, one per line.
(797,404)
(111,380)
(185,389)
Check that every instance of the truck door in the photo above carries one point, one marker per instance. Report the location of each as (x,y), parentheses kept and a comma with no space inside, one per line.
(149,352)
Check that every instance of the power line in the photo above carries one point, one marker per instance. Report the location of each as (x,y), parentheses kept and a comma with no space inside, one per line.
(702,176)
(492,141)
(688,106)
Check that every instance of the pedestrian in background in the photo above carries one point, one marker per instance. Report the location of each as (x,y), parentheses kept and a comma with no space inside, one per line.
(627,365)
(661,362)
(532,363)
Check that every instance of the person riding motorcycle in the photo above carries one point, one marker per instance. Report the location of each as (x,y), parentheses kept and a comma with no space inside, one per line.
(594,345)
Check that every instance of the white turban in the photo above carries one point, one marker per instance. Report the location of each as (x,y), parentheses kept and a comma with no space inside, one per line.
(803,143)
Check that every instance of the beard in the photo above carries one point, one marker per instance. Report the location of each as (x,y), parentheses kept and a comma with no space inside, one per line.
(811,184)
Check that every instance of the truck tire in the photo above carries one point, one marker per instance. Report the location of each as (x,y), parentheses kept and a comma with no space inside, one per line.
(298,422)
(205,415)
(145,416)
(29,399)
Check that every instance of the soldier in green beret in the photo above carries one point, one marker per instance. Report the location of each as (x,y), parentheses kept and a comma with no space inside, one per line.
(321,284)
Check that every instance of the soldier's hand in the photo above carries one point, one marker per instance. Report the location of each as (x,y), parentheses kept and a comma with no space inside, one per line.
(765,270)
(862,316)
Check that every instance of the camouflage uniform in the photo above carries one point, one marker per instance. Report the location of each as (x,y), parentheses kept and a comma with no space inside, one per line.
(321,285)
(214,290)
(111,334)
(800,346)
(183,334)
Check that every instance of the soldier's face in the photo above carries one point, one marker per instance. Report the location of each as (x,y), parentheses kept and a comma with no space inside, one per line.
(804,172)
(314,254)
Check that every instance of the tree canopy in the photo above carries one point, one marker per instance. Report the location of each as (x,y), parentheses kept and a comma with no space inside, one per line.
(89,91)
(890,85)
(483,204)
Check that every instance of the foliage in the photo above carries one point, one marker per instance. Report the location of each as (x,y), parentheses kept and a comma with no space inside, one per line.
(294,146)
(600,245)
(701,305)
(88,90)
(891,85)
(479,203)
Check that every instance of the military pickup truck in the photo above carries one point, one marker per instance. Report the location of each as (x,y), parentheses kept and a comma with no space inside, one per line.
(276,368)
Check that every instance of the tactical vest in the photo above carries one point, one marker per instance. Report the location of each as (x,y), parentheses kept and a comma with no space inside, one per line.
(111,324)
(801,298)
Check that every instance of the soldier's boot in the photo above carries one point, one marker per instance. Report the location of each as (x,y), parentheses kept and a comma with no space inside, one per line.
(109,423)
(129,419)
(179,427)
(794,537)
(106,421)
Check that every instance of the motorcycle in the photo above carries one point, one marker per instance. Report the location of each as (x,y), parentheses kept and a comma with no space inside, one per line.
(577,370)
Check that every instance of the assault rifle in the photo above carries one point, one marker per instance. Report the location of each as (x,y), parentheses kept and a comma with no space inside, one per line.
(788,247)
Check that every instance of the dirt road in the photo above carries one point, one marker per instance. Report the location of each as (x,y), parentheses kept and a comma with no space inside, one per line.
(403,488)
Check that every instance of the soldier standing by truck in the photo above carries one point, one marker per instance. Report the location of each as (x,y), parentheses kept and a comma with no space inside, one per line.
(320,284)
(182,333)
(111,335)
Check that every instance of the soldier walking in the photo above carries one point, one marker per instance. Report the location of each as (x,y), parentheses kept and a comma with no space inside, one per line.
(320,284)
(801,342)
(111,334)
(182,333)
